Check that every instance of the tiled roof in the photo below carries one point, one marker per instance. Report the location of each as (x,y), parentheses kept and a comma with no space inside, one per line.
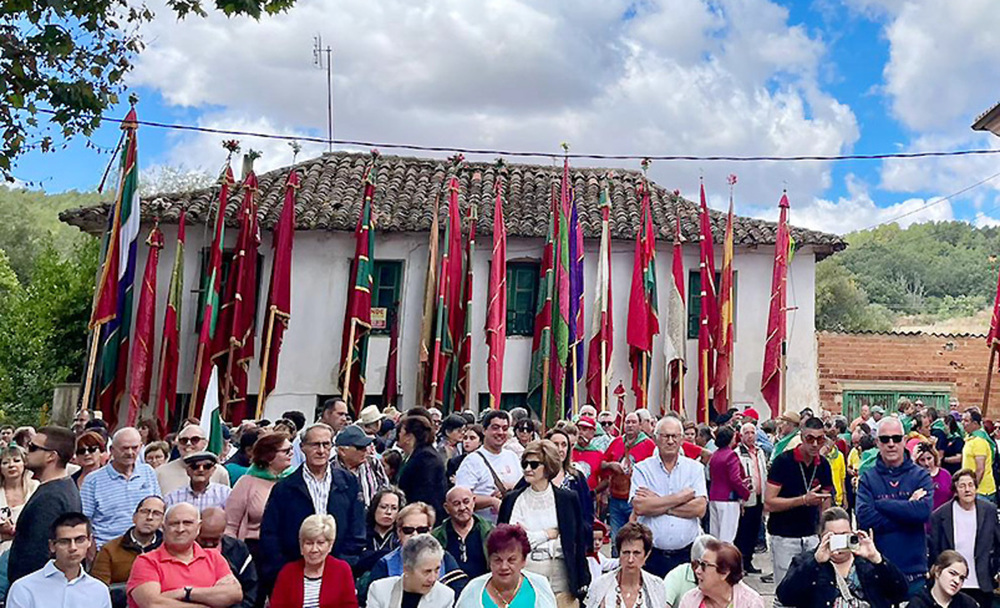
(330,196)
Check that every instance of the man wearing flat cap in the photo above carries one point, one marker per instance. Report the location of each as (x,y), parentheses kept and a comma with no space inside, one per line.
(352,456)
(200,490)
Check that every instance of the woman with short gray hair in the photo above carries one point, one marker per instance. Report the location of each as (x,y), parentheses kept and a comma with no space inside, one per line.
(418,587)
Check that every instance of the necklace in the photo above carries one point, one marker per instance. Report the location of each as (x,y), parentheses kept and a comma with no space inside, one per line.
(499,598)
(808,485)
(622,599)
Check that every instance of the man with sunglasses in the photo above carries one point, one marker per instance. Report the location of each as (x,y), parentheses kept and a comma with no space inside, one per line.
(111,493)
(894,501)
(173,474)
(200,491)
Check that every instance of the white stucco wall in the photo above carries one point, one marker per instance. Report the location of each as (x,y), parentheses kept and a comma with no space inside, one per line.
(311,351)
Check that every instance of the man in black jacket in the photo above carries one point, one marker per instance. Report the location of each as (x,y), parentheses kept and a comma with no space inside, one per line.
(315,487)
(212,536)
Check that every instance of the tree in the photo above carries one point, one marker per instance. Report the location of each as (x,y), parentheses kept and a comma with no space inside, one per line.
(67,59)
(841,305)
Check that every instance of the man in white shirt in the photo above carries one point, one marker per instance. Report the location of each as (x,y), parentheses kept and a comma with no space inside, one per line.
(62,581)
(481,469)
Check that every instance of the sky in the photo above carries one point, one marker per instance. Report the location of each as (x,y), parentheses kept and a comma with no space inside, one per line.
(648,77)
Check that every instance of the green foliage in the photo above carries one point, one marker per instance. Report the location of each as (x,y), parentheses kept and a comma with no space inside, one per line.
(70,57)
(841,305)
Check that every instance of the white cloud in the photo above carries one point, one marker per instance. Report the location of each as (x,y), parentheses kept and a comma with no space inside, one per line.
(985,221)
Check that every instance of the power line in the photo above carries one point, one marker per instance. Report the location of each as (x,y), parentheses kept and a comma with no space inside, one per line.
(935,202)
(557,155)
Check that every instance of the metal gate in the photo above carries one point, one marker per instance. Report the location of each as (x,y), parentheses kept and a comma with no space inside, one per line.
(888,399)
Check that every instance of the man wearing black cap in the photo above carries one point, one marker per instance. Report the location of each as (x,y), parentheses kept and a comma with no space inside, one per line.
(352,456)
(200,491)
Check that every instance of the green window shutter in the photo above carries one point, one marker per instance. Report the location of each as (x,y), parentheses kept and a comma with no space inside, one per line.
(522,295)
(387,287)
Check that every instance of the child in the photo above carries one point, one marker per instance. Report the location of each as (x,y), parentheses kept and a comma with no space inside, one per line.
(598,563)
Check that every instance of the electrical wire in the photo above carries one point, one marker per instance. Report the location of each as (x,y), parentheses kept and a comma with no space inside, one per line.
(926,206)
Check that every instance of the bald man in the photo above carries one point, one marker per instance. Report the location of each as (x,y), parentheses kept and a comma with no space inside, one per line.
(213,538)
(111,493)
(463,534)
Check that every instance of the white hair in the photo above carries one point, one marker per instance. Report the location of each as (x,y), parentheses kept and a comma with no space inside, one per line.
(317,525)
(643,414)
(125,430)
(666,420)
(418,547)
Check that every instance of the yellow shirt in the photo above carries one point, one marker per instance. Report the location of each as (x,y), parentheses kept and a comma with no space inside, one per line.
(977,446)
(854,458)
(838,467)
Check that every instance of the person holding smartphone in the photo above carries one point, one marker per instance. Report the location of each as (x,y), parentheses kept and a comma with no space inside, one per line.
(846,569)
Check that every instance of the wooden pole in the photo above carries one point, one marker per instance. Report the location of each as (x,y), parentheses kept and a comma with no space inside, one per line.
(989,378)
(645,380)
(782,379)
(88,383)
(545,393)
(265,364)
(576,385)
(604,375)
(350,362)
(680,388)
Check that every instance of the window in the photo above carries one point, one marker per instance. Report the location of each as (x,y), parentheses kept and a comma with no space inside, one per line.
(227,264)
(694,300)
(522,297)
(387,287)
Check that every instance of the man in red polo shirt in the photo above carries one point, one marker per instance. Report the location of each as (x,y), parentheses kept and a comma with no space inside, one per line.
(180,573)
(624,452)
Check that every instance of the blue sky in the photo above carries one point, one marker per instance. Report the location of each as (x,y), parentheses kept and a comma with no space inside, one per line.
(741,77)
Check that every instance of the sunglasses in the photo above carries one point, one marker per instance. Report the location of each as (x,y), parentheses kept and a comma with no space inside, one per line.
(190,440)
(697,564)
(34,447)
(201,466)
(415,530)
(815,439)
(88,450)
(531,464)
(893,438)
(608,423)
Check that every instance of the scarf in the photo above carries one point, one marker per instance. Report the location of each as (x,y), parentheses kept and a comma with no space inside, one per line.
(983,435)
(782,444)
(255,471)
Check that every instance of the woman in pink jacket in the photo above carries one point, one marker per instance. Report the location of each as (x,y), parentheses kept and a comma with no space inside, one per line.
(727,487)
(272,458)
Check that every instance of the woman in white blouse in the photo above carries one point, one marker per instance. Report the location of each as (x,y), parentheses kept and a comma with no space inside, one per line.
(18,486)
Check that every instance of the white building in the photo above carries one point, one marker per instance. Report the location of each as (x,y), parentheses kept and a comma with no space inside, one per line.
(327,210)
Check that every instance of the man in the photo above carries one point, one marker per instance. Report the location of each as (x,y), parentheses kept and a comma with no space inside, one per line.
(436,418)
(335,414)
(799,487)
(587,455)
(620,458)
(669,495)
(979,453)
(863,417)
(314,487)
(62,581)
(352,456)
(180,573)
(601,439)
(646,421)
(463,534)
(370,421)
(6,434)
(607,421)
(49,451)
(213,537)
(754,463)
(200,490)
(788,433)
(878,415)
(173,474)
(111,492)
(114,560)
(894,501)
(491,471)
(907,412)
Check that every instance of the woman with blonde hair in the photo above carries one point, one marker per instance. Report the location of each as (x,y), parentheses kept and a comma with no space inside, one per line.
(318,579)
(18,486)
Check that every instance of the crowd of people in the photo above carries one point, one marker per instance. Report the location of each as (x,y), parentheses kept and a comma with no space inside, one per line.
(421,510)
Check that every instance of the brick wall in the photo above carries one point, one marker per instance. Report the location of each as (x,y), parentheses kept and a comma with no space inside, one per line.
(958,361)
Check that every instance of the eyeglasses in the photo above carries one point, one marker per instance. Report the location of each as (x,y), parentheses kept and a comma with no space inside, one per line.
(697,564)
(608,423)
(65,542)
(669,436)
(150,512)
(530,464)
(201,466)
(190,440)
(893,438)
(319,445)
(286,451)
(90,449)
(34,447)
(415,530)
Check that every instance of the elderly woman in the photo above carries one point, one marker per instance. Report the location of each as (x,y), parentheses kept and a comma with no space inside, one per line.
(720,584)
(272,459)
(629,586)
(508,584)
(418,586)
(945,586)
(381,538)
(318,579)
(90,450)
(422,476)
(451,435)
(156,453)
(18,485)
(682,579)
(551,518)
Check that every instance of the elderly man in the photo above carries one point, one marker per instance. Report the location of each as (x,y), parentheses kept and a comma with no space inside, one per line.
(313,488)
(606,420)
(173,474)
(754,462)
(669,496)
(979,453)
(112,492)
(353,456)
(491,464)
(788,434)
(463,534)
(587,455)
(62,581)
(646,422)
(621,456)
(180,573)
(114,560)
(894,501)
(213,538)
(200,490)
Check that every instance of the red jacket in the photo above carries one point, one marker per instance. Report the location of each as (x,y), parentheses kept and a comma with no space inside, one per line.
(336,590)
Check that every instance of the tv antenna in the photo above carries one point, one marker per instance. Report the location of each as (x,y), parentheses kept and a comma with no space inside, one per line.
(320,62)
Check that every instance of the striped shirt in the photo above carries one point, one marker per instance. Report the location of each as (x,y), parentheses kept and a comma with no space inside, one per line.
(109,499)
(370,475)
(215,495)
(310,596)
(319,489)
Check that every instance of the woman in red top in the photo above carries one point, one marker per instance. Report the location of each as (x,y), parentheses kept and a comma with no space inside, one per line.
(318,579)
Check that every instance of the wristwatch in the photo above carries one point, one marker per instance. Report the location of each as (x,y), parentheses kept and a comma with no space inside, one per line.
(187,594)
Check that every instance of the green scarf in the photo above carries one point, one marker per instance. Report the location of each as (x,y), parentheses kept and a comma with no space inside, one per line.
(939,425)
(782,444)
(868,458)
(983,435)
(907,422)
(255,471)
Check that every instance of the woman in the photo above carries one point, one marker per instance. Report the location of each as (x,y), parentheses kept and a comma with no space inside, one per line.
(22,436)
(629,586)
(508,584)
(569,478)
(838,470)
(729,486)
(418,586)
(835,576)
(272,459)
(90,449)
(148,431)
(947,575)
(18,486)
(928,458)
(421,478)
(472,440)
(973,519)
(381,537)
(951,457)
(524,431)
(155,454)
(551,518)
(318,579)
(720,584)
(452,432)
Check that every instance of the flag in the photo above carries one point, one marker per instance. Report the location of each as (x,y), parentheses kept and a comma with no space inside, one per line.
(993,337)
(279,293)
(724,342)
(211,285)
(390,390)
(676,326)
(358,315)
(425,377)
(643,323)
(166,397)
(449,294)
(601,342)
(774,347)
(560,306)
(541,344)
(145,318)
(496,311)
(708,318)
(211,418)
(463,393)
(575,363)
